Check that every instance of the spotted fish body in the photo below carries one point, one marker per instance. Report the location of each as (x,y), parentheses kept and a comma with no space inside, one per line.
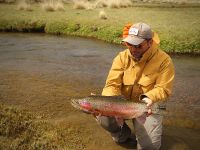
(112,106)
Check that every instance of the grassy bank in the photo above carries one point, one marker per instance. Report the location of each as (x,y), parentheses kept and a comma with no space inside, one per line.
(178,27)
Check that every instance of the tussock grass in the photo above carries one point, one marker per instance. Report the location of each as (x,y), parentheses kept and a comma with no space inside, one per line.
(119,3)
(59,6)
(82,4)
(7,1)
(22,130)
(79,5)
(169,1)
(24,5)
(103,15)
(114,3)
(101,3)
(48,6)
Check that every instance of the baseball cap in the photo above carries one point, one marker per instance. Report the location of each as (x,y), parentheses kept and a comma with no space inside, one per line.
(138,33)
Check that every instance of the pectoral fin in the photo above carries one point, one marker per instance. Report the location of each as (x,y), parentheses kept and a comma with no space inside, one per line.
(142,118)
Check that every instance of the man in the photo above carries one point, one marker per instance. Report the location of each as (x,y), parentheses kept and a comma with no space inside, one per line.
(142,73)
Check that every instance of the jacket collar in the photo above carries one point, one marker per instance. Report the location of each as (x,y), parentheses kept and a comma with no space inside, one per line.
(149,53)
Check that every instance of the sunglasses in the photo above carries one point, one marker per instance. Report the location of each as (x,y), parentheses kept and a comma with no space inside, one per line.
(138,46)
(135,46)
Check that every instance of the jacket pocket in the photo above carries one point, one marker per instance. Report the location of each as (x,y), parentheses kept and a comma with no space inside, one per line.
(129,77)
(148,79)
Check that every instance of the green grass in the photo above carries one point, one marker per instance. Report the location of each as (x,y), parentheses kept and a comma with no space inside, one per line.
(178,27)
(22,130)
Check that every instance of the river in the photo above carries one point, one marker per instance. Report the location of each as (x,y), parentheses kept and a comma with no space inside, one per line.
(41,73)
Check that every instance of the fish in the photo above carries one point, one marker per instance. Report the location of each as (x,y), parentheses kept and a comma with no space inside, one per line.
(113,106)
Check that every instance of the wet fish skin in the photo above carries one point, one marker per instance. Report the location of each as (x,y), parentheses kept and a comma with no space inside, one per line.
(112,106)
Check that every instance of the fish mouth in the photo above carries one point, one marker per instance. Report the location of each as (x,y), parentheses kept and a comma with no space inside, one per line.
(75,103)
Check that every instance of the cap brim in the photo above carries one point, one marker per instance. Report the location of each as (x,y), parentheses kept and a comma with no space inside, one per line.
(134,40)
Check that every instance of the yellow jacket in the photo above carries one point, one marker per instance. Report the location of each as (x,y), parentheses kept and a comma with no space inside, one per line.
(156,80)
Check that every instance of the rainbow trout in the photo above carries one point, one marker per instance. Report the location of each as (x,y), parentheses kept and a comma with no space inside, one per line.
(113,106)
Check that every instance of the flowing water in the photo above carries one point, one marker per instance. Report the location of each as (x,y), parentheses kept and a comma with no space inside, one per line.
(41,73)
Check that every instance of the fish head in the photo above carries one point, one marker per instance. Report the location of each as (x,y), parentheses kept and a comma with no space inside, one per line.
(85,104)
(82,104)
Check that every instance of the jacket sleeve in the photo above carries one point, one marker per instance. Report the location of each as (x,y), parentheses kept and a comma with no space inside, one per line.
(164,82)
(114,79)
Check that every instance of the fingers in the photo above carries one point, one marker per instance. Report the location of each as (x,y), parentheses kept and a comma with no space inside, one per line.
(149,104)
(148,101)
(149,112)
(92,93)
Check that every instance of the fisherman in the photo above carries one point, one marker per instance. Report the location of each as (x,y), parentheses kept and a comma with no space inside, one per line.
(141,73)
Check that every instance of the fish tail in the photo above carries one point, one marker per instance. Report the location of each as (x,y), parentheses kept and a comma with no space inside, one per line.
(162,107)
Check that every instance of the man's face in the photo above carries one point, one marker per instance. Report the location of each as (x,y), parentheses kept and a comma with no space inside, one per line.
(138,50)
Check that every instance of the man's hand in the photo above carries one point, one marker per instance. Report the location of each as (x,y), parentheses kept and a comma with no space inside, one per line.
(93,94)
(149,102)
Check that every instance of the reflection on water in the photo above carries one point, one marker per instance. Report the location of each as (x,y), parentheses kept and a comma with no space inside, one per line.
(42,72)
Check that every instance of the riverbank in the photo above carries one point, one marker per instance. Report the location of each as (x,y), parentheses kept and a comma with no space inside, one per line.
(178,27)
